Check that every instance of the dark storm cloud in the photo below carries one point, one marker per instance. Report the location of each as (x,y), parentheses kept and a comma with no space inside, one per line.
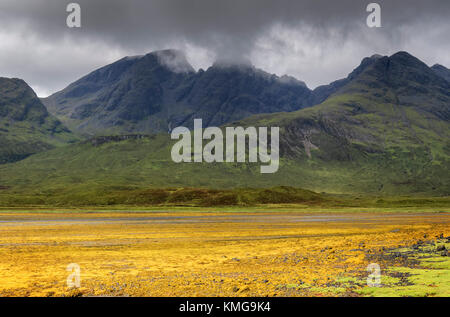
(280,36)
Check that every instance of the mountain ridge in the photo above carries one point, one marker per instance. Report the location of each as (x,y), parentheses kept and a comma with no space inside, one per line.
(160,90)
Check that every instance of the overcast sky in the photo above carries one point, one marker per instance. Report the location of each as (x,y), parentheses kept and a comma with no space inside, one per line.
(315,41)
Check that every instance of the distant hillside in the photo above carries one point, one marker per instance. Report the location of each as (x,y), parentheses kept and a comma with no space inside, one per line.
(160,91)
(25,125)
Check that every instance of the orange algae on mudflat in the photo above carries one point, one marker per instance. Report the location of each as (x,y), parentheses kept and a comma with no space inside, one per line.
(199,254)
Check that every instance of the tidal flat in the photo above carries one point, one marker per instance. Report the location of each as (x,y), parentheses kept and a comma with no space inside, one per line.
(193,253)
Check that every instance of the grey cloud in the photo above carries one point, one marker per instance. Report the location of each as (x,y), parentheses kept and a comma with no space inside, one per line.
(277,35)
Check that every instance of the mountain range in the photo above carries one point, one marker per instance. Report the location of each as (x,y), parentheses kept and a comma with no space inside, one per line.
(383,130)
(160,91)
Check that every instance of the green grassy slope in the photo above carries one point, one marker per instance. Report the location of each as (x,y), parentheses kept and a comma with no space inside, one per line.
(25,125)
(128,171)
